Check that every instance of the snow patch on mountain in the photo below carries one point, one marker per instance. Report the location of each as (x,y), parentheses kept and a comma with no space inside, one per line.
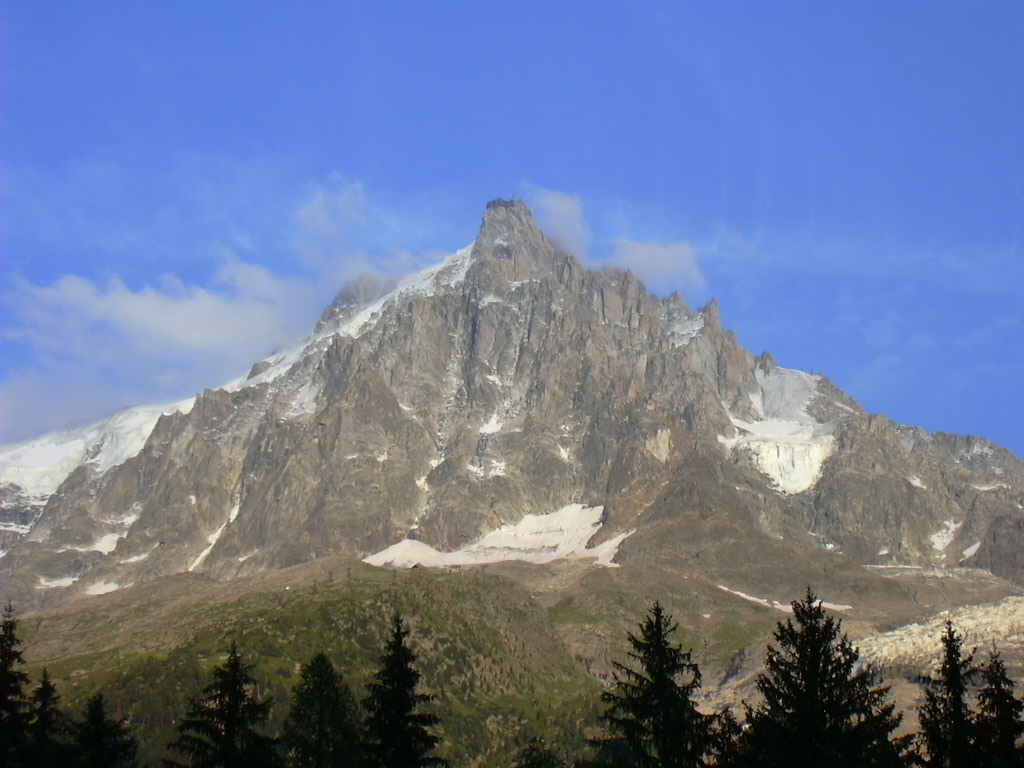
(761,600)
(785,443)
(493,425)
(941,539)
(138,558)
(988,486)
(971,551)
(448,273)
(305,400)
(40,466)
(536,538)
(103,587)
(784,607)
(64,581)
(105,544)
(682,332)
(213,538)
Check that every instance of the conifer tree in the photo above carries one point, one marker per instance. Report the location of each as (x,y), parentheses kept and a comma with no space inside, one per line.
(537,754)
(323,727)
(650,708)
(13,704)
(726,741)
(100,741)
(48,727)
(221,728)
(818,711)
(998,724)
(398,735)
(946,717)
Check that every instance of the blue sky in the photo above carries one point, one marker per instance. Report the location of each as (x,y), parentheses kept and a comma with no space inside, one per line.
(185,184)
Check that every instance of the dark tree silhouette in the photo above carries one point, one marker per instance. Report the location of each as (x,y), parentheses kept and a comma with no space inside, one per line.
(13,704)
(537,754)
(398,735)
(726,741)
(100,741)
(323,727)
(48,727)
(945,717)
(998,724)
(220,729)
(817,709)
(650,707)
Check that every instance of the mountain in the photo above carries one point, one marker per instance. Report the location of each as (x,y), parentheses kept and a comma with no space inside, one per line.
(508,404)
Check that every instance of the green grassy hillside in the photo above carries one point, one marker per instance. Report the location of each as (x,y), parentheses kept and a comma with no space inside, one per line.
(488,651)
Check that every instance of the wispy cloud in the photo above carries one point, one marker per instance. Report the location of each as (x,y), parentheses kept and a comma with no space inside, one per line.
(562,218)
(662,266)
(92,345)
(325,223)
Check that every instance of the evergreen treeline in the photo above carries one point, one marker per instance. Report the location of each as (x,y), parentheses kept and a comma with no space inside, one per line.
(818,707)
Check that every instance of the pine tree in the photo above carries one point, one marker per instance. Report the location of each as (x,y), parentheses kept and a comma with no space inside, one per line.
(13,704)
(220,729)
(998,725)
(650,707)
(322,728)
(537,754)
(100,741)
(726,740)
(48,727)
(399,736)
(945,716)
(817,709)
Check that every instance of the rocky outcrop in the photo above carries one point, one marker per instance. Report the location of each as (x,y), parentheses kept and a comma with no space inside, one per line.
(510,381)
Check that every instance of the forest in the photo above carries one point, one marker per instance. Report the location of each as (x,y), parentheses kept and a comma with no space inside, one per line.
(817,705)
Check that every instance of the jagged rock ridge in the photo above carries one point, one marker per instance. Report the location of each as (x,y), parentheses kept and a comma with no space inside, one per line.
(508,381)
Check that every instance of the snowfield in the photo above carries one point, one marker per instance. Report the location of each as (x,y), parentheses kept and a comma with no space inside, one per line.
(39,466)
(786,443)
(536,538)
(784,607)
(942,538)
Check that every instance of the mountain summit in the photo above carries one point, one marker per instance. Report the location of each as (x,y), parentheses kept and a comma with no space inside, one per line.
(507,404)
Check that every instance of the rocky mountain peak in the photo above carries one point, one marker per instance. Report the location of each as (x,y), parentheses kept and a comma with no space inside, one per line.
(476,402)
(513,248)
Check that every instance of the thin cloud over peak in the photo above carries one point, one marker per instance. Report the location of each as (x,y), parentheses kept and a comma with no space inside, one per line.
(563,219)
(97,344)
(663,267)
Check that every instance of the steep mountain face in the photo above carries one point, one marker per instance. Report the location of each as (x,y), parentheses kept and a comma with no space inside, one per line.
(445,418)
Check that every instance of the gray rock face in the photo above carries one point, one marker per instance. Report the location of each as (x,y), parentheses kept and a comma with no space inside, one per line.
(510,381)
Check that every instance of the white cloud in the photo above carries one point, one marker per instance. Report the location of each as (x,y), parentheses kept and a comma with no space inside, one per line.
(662,266)
(562,218)
(245,302)
(327,220)
(79,349)
(331,229)
(92,345)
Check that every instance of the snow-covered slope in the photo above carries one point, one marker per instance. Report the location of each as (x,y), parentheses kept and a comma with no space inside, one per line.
(448,273)
(39,466)
(536,538)
(787,444)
